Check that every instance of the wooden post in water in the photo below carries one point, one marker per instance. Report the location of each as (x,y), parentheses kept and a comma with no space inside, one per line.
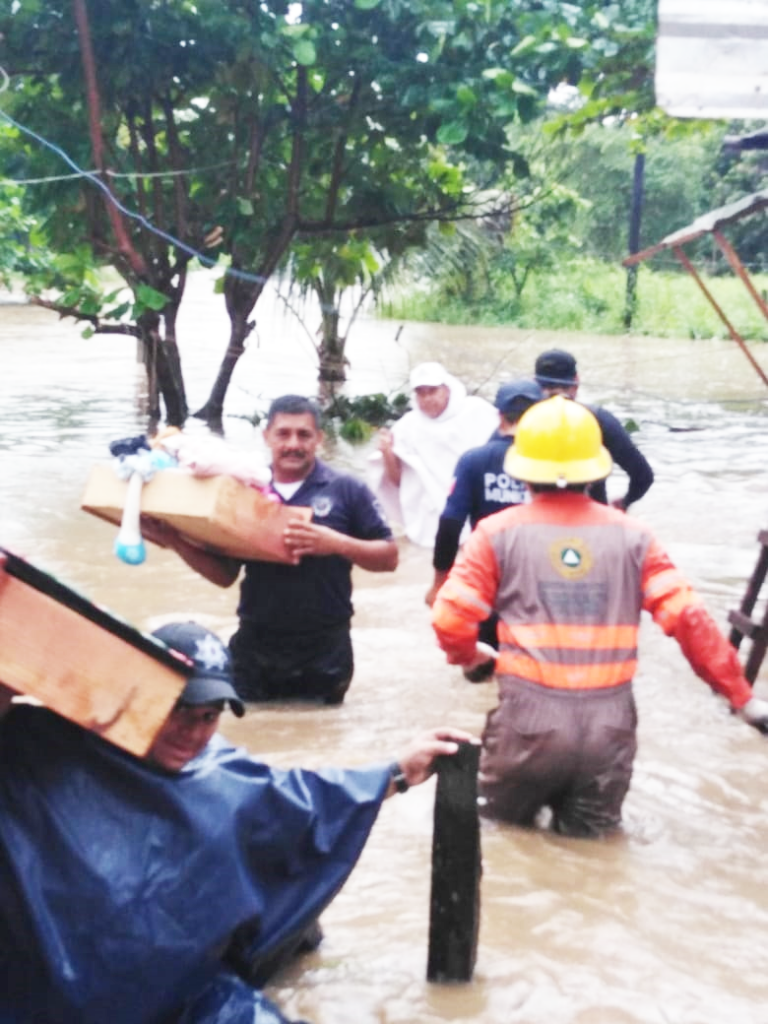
(454,918)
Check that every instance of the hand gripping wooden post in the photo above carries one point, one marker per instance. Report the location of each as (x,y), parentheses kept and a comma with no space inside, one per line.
(454,918)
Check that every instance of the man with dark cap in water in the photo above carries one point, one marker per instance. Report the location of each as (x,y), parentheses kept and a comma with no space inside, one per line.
(556,373)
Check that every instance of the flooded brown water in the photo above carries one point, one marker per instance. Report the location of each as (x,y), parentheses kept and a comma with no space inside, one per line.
(665,924)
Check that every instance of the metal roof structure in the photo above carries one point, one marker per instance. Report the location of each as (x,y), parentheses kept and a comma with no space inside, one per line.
(710,224)
(752,140)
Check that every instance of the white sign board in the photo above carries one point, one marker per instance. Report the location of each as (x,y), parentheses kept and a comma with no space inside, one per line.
(712,58)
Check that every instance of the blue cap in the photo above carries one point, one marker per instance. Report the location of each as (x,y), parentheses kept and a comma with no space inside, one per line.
(211,680)
(513,389)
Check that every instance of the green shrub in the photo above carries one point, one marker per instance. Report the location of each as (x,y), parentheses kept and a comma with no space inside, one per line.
(588,295)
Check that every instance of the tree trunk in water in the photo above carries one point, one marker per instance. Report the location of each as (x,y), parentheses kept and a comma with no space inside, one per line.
(213,410)
(171,377)
(164,374)
(331,351)
(147,349)
(332,361)
(241,298)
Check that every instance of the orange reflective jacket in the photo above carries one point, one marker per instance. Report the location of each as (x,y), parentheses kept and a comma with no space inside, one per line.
(569,578)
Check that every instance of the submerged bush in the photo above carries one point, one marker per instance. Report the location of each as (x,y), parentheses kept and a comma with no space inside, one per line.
(355,419)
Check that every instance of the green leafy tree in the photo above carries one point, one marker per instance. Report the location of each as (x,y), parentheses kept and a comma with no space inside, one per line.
(598,166)
(360,112)
(541,235)
(731,176)
(21,249)
(237,128)
(101,87)
(326,271)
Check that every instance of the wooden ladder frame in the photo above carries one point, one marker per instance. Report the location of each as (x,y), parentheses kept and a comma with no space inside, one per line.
(742,622)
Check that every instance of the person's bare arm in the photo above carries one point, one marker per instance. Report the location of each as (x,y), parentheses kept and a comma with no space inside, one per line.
(417,761)
(448,534)
(441,575)
(218,569)
(393,467)
(302,538)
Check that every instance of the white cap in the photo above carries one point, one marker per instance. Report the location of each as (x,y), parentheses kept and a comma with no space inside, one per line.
(429,375)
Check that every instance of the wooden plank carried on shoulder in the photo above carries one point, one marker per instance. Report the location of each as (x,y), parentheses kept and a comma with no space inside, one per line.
(83,662)
(217,513)
(454,919)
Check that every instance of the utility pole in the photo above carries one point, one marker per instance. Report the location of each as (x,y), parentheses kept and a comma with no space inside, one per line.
(635,214)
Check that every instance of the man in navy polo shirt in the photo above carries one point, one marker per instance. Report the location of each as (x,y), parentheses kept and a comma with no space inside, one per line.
(293,639)
(481,487)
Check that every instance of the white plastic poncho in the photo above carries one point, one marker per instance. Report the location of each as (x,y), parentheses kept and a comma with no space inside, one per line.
(428,449)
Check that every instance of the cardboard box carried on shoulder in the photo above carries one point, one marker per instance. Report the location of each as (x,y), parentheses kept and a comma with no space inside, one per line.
(81,661)
(218,513)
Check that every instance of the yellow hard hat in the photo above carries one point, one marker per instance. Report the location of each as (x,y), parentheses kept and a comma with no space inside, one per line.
(558,441)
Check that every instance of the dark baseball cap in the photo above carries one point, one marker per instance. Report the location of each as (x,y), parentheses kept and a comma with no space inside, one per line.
(556,367)
(211,680)
(513,389)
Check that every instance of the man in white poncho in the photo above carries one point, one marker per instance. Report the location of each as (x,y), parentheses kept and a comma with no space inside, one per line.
(416,459)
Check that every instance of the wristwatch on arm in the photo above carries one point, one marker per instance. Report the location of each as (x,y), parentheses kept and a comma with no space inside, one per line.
(398,778)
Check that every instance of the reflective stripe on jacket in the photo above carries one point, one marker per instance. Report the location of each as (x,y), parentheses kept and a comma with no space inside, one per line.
(569,578)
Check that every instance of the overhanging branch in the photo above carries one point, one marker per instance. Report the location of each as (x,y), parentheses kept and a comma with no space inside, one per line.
(91,318)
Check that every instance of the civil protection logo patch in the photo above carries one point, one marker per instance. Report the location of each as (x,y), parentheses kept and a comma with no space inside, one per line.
(571,557)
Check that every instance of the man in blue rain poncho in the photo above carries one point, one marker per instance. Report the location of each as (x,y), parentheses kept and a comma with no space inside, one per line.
(123,880)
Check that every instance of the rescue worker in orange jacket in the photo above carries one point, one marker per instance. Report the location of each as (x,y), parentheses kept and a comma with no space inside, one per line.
(569,578)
